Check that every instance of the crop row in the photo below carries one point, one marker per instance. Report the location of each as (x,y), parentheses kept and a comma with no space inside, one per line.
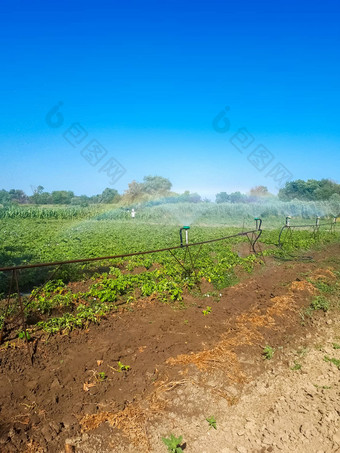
(58,307)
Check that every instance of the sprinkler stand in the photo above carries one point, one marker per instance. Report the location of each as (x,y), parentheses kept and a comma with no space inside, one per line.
(186,228)
(258,222)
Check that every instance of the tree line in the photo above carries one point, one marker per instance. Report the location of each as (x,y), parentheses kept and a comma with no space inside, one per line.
(157,190)
(311,190)
(151,189)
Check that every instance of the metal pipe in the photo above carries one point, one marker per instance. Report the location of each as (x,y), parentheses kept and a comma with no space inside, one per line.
(258,222)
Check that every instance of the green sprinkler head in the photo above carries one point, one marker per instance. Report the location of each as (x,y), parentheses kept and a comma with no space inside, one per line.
(258,221)
(186,228)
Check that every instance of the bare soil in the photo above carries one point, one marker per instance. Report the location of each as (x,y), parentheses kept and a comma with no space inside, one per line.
(185,367)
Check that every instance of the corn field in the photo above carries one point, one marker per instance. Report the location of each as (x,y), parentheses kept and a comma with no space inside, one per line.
(51,212)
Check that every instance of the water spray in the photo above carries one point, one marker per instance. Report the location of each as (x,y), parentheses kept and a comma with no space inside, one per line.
(186,228)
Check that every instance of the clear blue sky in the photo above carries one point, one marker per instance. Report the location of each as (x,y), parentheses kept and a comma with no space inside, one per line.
(146,80)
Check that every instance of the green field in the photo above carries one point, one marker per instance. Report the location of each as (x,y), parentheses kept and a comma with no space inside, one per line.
(58,307)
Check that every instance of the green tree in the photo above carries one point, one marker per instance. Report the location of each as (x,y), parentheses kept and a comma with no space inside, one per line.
(18,196)
(188,197)
(238,197)
(222,197)
(62,196)
(156,185)
(40,197)
(110,196)
(4,197)
(82,200)
(310,190)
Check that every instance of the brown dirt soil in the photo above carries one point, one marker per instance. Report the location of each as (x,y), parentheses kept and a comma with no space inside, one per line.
(184,367)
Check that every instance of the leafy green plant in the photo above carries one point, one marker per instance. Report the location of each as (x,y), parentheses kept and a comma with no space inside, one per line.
(101,376)
(122,367)
(22,335)
(320,303)
(268,352)
(54,233)
(207,311)
(324,287)
(173,443)
(297,366)
(212,422)
(336,346)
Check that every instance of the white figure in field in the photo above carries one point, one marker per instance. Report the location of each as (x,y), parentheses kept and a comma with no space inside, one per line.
(133,213)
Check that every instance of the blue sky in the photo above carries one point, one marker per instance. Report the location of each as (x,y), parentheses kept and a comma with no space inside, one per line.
(146,80)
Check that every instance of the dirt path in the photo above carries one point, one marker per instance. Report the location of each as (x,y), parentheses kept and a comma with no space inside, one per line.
(185,367)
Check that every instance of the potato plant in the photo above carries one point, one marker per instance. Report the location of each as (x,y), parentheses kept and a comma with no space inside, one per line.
(58,308)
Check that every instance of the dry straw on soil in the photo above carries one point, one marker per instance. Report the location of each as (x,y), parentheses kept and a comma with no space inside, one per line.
(132,420)
(248,333)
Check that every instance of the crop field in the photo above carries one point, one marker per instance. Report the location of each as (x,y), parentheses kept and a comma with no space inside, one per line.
(27,239)
(95,319)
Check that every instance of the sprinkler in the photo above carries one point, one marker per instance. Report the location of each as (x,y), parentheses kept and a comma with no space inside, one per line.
(258,222)
(288,220)
(186,228)
(333,224)
(317,222)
